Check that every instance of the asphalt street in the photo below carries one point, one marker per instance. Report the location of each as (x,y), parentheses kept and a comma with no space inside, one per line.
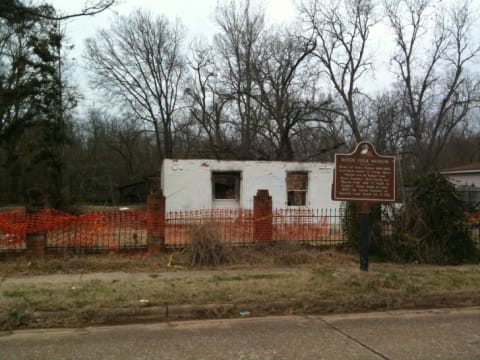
(434,334)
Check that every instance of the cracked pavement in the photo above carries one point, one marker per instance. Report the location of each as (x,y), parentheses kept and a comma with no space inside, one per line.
(428,334)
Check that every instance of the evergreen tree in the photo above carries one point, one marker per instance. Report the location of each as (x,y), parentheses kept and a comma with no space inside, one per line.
(31,114)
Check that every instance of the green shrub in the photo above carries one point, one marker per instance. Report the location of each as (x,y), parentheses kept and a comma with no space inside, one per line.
(351,227)
(430,228)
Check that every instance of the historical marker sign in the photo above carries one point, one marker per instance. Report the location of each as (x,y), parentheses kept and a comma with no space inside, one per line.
(364,176)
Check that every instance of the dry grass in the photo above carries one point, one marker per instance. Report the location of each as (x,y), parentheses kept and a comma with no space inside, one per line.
(304,279)
(341,288)
(207,247)
(272,255)
(78,264)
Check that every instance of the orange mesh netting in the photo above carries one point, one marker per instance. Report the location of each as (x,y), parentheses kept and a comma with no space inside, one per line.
(128,229)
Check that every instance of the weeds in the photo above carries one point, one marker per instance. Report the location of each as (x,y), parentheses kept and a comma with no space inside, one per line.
(323,288)
(207,247)
(430,226)
(291,253)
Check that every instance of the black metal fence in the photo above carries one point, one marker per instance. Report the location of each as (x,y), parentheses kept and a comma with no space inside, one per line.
(127,230)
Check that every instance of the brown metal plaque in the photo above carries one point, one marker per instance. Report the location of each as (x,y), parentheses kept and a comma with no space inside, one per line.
(364,175)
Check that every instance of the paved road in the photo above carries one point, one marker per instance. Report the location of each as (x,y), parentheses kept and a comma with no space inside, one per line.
(440,334)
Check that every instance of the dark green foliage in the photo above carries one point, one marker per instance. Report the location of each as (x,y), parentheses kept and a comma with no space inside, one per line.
(32,121)
(443,213)
(351,226)
(430,228)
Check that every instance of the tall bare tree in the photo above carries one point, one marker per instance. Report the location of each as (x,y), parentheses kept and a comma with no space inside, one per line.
(431,63)
(139,61)
(386,118)
(286,79)
(241,25)
(206,103)
(460,149)
(341,30)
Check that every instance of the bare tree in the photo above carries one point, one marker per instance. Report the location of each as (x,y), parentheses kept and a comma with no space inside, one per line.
(460,149)
(240,29)
(341,31)
(318,141)
(108,150)
(139,61)
(286,81)
(207,104)
(432,66)
(386,120)
(17,9)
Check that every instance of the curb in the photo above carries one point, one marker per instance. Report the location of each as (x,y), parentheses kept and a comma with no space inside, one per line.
(170,313)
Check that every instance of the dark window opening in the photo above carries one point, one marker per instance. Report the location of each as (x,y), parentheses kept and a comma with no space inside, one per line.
(226,185)
(297,186)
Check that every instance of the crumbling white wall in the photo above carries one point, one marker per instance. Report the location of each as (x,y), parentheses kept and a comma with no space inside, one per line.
(187,184)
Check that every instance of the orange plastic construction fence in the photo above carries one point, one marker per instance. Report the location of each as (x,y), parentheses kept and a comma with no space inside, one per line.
(129,229)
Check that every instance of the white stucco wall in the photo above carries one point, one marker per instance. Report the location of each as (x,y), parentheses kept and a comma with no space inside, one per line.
(187,184)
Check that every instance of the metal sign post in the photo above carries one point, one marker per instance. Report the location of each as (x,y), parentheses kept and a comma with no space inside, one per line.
(366,178)
(364,236)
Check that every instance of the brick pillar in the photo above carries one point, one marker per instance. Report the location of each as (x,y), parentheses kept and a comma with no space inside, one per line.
(262,214)
(156,221)
(36,245)
(36,242)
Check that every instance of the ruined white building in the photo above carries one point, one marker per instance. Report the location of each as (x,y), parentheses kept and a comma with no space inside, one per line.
(207,184)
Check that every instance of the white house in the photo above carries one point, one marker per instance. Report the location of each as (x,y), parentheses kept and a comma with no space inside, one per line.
(464,175)
(466,179)
(207,184)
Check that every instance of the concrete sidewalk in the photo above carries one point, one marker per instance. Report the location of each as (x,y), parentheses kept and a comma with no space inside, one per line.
(434,334)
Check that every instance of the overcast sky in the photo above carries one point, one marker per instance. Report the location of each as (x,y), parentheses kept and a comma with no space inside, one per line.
(196,15)
(198,19)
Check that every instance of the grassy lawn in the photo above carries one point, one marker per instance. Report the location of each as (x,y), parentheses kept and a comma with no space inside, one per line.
(332,283)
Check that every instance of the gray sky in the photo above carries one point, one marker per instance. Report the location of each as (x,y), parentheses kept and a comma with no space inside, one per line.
(198,19)
(196,15)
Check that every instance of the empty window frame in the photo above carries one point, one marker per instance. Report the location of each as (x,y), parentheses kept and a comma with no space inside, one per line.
(297,186)
(226,185)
